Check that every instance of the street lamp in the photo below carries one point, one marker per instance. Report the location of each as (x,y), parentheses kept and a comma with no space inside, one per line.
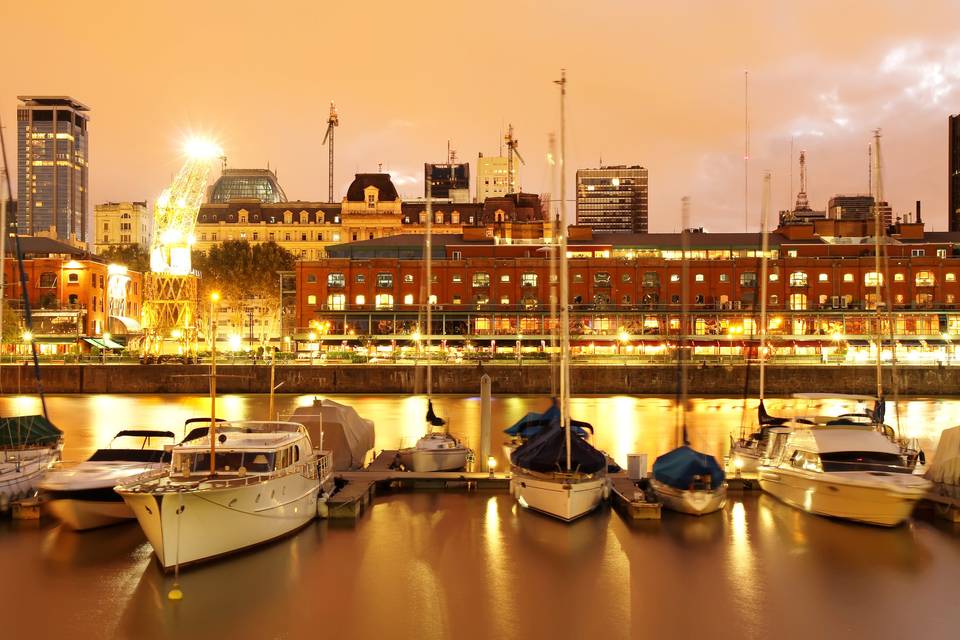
(214,298)
(103,352)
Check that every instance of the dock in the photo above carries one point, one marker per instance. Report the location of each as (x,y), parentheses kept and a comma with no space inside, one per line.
(945,503)
(631,500)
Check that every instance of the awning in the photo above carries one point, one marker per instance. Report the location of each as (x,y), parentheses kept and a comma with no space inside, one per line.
(71,339)
(102,343)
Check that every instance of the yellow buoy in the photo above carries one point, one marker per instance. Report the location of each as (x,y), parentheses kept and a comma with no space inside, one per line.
(175,593)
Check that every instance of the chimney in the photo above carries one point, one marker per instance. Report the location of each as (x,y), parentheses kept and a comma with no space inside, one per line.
(919,219)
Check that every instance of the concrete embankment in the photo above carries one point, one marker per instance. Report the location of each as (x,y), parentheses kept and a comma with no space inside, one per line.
(724,380)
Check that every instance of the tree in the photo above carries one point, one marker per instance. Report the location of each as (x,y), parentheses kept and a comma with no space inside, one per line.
(238,271)
(133,256)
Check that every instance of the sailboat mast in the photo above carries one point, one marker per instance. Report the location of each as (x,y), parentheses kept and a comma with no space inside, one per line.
(212,430)
(878,195)
(564,275)
(552,158)
(764,248)
(684,318)
(428,257)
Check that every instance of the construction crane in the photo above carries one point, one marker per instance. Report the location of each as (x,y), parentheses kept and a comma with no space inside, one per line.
(171,287)
(511,151)
(332,122)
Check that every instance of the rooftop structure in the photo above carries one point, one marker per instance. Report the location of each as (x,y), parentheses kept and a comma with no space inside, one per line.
(247,184)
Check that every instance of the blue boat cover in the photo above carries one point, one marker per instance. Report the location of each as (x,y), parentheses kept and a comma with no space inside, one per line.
(547,452)
(532,423)
(678,467)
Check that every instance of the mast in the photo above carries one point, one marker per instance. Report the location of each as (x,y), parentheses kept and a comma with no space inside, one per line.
(878,195)
(684,319)
(746,148)
(554,228)
(564,275)
(427,249)
(214,297)
(764,247)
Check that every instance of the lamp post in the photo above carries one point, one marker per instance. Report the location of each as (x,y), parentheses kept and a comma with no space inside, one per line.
(214,297)
(103,352)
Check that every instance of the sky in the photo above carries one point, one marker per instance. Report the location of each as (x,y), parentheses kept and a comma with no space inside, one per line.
(652,83)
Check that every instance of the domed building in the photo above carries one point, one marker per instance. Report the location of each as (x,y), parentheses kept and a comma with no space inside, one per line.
(247,184)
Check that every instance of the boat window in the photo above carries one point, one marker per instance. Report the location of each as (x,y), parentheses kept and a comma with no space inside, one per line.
(775,446)
(863,461)
(227,462)
(296,453)
(805,460)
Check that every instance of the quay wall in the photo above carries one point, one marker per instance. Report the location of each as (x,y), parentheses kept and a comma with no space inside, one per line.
(721,380)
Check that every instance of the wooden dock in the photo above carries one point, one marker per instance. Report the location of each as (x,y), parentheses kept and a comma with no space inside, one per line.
(631,500)
(350,501)
(945,505)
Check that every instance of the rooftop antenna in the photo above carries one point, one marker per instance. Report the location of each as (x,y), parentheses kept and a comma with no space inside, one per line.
(379,167)
(877,169)
(746,147)
(802,203)
(332,121)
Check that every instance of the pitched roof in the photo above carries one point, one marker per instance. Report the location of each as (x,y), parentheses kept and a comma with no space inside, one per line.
(33,246)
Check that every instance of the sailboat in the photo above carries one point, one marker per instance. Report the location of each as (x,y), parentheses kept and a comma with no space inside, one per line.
(29,445)
(438,449)
(557,472)
(684,479)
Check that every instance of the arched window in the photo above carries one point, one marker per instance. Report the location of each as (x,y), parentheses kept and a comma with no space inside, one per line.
(872,279)
(408,299)
(336,301)
(925,279)
(384,301)
(798,279)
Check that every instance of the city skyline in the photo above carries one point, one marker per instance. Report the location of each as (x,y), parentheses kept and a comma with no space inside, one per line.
(828,78)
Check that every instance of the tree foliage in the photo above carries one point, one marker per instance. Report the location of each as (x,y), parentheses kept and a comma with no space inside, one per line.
(238,270)
(135,256)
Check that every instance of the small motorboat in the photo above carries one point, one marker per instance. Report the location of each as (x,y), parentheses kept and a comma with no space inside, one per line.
(81,493)
(251,483)
(847,471)
(29,446)
(688,481)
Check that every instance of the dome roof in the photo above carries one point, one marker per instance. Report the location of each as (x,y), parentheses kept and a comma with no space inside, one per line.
(257,184)
(381,181)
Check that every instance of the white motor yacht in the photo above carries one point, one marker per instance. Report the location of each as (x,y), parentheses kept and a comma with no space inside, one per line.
(81,493)
(267,481)
(436,451)
(29,446)
(843,470)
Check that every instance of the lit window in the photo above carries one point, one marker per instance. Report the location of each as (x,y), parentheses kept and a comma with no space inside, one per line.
(674,277)
(925,279)
(408,299)
(950,277)
(798,279)
(336,280)
(504,299)
(748,279)
(505,277)
(798,301)
(792,253)
(848,277)
(698,277)
(360,277)
(408,278)
(311,299)
(823,277)
(337,301)
(873,279)
(528,280)
(774,277)
(481,279)
(384,301)
(384,280)
(724,277)
(456,278)
(360,299)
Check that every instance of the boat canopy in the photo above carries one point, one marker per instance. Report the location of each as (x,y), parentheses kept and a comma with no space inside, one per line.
(834,396)
(344,432)
(20,431)
(677,468)
(546,452)
(144,433)
(945,467)
(532,423)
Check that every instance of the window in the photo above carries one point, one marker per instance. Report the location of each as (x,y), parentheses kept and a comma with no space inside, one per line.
(950,298)
(384,280)
(455,217)
(408,299)
(674,299)
(528,280)
(481,279)
(674,277)
(925,279)
(48,280)
(360,278)
(626,278)
(823,277)
(798,301)
(651,279)
(438,217)
(578,277)
(924,299)
(724,277)
(335,281)
(899,298)
(360,300)
(792,253)
(311,278)
(456,255)
(798,279)
(748,279)
(774,300)
(848,277)
(917,253)
(774,277)
(505,277)
(823,299)
(408,278)
(698,277)
(504,299)
(384,301)
(456,278)
(337,301)
(950,277)
(457,299)
(872,279)
(698,299)
(371,201)
(73,278)
(311,299)
(601,278)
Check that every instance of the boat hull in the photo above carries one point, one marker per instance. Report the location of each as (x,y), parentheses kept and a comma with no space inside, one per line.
(208,522)
(426,460)
(884,503)
(81,515)
(19,478)
(748,457)
(692,502)
(561,498)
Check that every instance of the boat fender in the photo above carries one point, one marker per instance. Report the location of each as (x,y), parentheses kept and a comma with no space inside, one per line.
(606,491)
(323,509)
(922,457)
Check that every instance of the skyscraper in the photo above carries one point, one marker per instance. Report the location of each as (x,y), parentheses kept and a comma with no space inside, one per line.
(447,180)
(613,199)
(493,177)
(52,173)
(953,175)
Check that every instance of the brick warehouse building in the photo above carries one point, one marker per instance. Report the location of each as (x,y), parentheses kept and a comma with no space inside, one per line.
(625,289)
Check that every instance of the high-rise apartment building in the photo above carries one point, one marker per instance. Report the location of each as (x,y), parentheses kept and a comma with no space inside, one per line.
(121,223)
(953,175)
(447,181)
(493,177)
(613,199)
(52,172)
(857,207)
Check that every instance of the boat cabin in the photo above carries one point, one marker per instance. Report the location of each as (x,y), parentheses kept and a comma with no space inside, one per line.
(243,449)
(833,448)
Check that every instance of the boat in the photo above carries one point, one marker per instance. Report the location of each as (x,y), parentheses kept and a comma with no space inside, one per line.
(944,472)
(29,446)
(347,435)
(438,449)
(533,423)
(81,494)
(688,481)
(557,472)
(252,483)
(846,471)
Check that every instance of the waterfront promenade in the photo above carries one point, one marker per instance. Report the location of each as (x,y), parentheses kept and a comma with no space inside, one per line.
(507,378)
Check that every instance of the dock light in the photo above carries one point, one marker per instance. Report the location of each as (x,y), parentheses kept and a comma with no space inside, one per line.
(491,465)
(27,336)
(416,335)
(215,296)
(737,465)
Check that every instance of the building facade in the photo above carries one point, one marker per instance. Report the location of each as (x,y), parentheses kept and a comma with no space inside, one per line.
(246,184)
(121,223)
(858,207)
(450,181)
(613,199)
(953,172)
(493,176)
(52,167)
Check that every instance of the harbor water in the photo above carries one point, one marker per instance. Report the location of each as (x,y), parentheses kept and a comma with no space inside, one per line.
(456,564)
